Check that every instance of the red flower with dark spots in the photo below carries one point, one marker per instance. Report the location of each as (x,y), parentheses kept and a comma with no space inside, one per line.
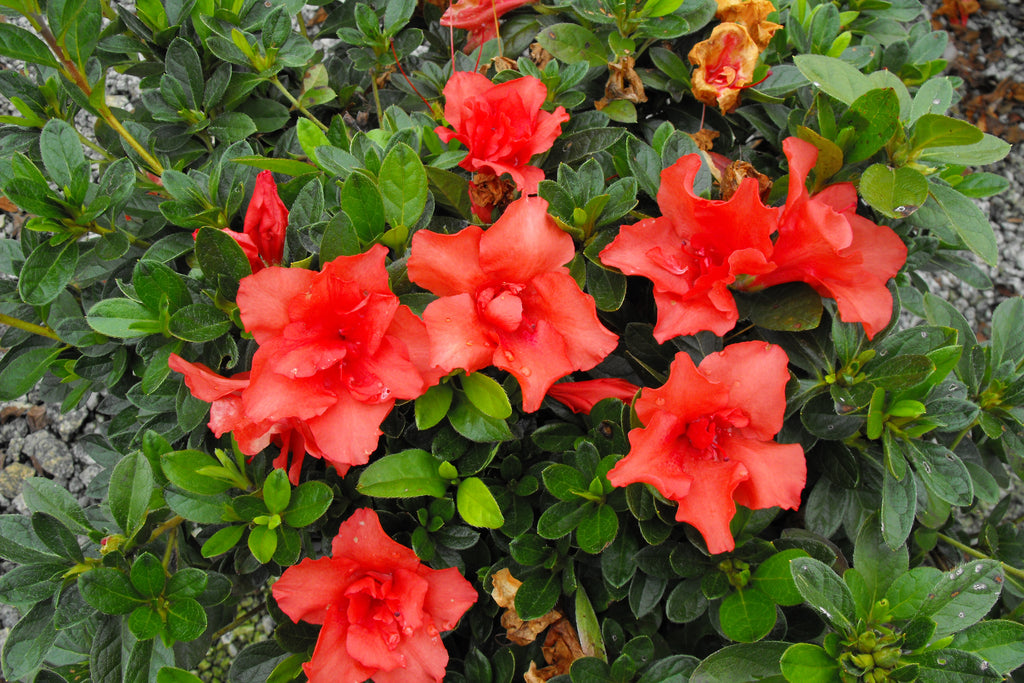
(382,611)
(507,299)
(707,441)
(823,242)
(695,251)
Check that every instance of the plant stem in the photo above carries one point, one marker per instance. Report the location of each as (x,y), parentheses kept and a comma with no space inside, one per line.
(172,523)
(241,619)
(973,552)
(298,105)
(41,330)
(376,98)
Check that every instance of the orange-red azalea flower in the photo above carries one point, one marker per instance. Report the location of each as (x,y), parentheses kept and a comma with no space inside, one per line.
(707,441)
(226,415)
(502,126)
(581,397)
(382,611)
(335,351)
(823,242)
(479,17)
(506,299)
(725,65)
(695,251)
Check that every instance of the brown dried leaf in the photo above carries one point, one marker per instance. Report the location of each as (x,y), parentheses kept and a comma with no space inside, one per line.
(518,631)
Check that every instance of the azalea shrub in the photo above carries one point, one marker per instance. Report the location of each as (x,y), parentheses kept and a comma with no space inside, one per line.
(554,341)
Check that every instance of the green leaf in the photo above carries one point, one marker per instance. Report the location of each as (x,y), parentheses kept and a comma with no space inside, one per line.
(899,504)
(363,204)
(309,502)
(182,469)
(262,543)
(153,281)
(19,542)
(571,43)
(23,368)
(475,426)
(122,318)
(936,130)
(29,641)
(998,641)
(47,271)
(963,596)
(199,323)
(487,395)
(591,639)
(31,583)
(191,582)
(900,372)
(645,164)
(833,76)
(741,663)
(432,406)
(56,537)
(223,540)
(878,563)
(789,307)
(1007,339)
(108,590)
(186,619)
(875,116)
(403,186)
(809,663)
(61,150)
(585,143)
(45,495)
(406,474)
(476,504)
(231,126)
(17,43)
(170,674)
(131,485)
(686,603)
(952,666)
(290,167)
(221,259)
(277,491)
(148,575)
(196,507)
(450,189)
(564,482)
(990,150)
(618,561)
(774,579)
(747,615)
(561,518)
(823,590)
(894,192)
(537,596)
(608,287)
(596,531)
(941,471)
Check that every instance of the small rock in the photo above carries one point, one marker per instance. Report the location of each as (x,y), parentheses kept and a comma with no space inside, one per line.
(69,423)
(16,445)
(12,477)
(19,505)
(13,428)
(52,454)
(36,418)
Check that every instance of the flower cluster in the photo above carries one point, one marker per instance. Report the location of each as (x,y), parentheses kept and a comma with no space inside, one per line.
(699,248)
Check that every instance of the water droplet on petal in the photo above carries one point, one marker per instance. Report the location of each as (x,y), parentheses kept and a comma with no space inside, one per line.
(659,401)
(509,356)
(936,101)
(447,320)
(526,371)
(980,586)
(977,569)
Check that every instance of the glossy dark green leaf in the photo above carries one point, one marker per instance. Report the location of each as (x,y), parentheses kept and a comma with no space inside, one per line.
(148,575)
(741,663)
(823,590)
(131,485)
(809,663)
(108,590)
(747,615)
(406,474)
(47,271)
(571,43)
(17,43)
(199,323)
(537,596)
(182,469)
(403,186)
(45,495)
(29,641)
(221,260)
(476,426)
(186,619)
(963,596)
(597,530)
(309,502)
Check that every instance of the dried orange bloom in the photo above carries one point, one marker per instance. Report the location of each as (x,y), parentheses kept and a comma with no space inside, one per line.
(725,64)
(750,14)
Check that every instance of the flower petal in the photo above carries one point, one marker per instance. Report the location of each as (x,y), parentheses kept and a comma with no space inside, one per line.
(755,375)
(264,297)
(709,505)
(330,662)
(204,383)
(362,539)
(305,590)
(447,264)
(347,432)
(524,243)
(448,597)
(555,297)
(457,337)
(777,472)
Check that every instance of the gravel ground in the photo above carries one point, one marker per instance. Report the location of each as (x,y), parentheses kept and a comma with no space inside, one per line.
(988,53)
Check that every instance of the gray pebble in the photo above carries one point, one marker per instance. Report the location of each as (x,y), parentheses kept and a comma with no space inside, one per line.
(12,477)
(70,422)
(52,454)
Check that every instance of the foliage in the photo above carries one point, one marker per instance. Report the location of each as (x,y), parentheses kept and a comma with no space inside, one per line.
(130,257)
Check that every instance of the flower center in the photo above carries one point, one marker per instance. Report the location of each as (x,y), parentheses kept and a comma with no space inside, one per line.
(501,306)
(374,605)
(704,433)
